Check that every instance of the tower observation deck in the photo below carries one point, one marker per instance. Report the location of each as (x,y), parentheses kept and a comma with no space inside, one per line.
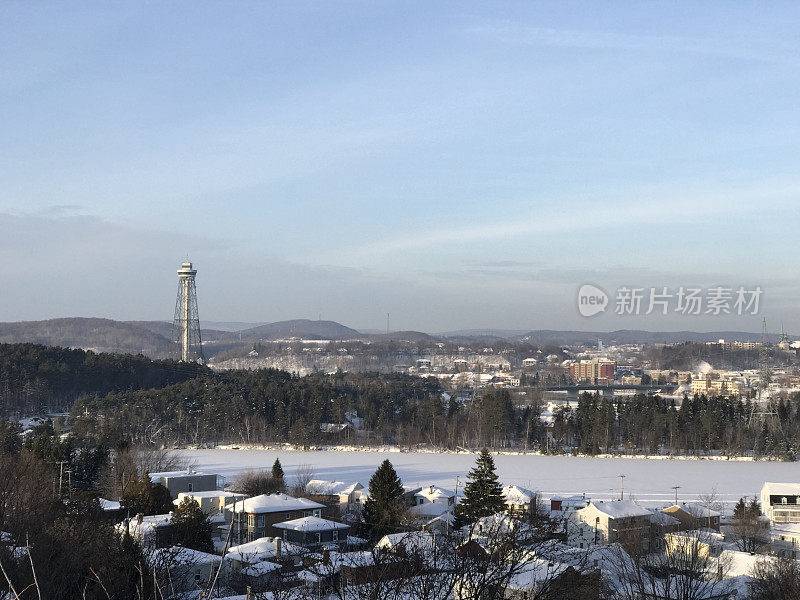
(186,341)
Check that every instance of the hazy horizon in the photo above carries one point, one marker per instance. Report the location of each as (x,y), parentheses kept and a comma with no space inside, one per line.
(458,165)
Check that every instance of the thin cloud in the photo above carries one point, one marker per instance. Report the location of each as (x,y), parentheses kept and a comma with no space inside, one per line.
(516,34)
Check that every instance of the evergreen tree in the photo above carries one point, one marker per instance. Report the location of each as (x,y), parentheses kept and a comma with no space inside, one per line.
(191,527)
(384,509)
(141,495)
(277,470)
(483,494)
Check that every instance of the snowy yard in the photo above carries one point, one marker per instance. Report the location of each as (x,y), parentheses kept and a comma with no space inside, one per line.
(649,481)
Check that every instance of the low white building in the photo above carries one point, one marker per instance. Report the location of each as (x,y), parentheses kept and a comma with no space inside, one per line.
(185,569)
(786,540)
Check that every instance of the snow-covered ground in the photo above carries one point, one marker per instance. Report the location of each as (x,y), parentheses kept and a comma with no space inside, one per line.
(649,481)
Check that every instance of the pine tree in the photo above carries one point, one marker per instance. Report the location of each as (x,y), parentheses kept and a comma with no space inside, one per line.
(384,509)
(483,494)
(191,527)
(277,470)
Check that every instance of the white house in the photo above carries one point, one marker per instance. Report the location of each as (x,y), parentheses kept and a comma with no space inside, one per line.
(518,499)
(780,502)
(608,523)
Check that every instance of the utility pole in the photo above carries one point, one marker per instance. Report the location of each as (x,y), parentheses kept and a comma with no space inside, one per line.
(621,487)
(60,464)
(676,488)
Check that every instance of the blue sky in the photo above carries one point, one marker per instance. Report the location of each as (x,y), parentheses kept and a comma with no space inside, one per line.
(459,164)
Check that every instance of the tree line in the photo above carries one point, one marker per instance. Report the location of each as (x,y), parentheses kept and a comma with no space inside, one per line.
(36,378)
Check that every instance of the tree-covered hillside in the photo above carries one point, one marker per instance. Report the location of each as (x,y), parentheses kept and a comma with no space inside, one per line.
(36,378)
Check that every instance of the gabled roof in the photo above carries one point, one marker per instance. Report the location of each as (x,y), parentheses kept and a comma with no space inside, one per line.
(268,503)
(619,509)
(311,524)
(261,549)
(318,487)
(434,493)
(699,510)
(518,495)
(410,540)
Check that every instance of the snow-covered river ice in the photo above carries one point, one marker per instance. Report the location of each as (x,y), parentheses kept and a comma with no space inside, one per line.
(649,481)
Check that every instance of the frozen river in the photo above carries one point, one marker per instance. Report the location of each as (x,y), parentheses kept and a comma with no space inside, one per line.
(649,481)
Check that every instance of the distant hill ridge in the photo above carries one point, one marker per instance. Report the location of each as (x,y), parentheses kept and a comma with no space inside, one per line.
(152,338)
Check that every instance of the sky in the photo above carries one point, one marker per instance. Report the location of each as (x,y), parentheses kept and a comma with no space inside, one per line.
(457,165)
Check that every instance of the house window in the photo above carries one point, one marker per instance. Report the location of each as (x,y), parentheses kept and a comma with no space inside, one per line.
(319,538)
(261,520)
(251,521)
(190,486)
(335,535)
(285,534)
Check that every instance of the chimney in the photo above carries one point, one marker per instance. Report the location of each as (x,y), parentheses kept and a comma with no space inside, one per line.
(326,556)
(278,542)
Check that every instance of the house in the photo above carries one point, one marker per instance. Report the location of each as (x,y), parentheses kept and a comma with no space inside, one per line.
(409,542)
(311,532)
(186,481)
(780,502)
(211,501)
(700,543)
(561,507)
(608,523)
(785,540)
(186,569)
(336,492)
(255,517)
(151,531)
(546,578)
(258,562)
(694,515)
(518,499)
(434,495)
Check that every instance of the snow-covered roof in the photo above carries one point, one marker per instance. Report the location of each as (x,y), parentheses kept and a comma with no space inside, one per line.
(109,504)
(663,519)
(518,495)
(260,568)
(267,503)
(434,493)
(739,563)
(698,510)
(262,549)
(156,477)
(183,556)
(620,509)
(319,487)
(781,489)
(311,524)
(410,540)
(535,573)
(212,494)
(787,529)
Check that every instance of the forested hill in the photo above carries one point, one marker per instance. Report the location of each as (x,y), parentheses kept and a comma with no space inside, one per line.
(100,335)
(35,378)
(261,406)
